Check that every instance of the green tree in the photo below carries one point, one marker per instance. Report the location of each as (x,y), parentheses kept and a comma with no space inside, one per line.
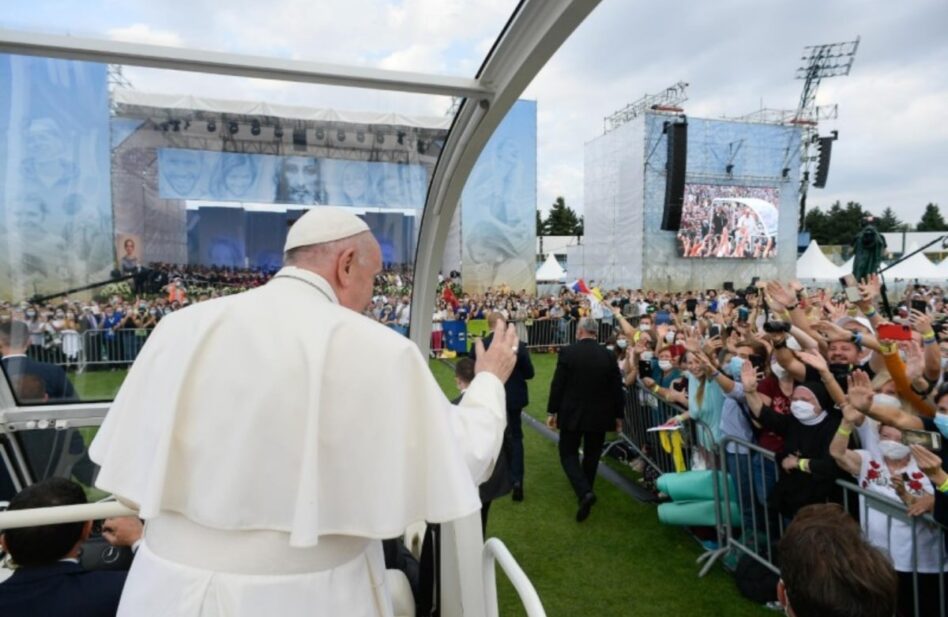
(562,220)
(815,222)
(543,225)
(889,221)
(932,220)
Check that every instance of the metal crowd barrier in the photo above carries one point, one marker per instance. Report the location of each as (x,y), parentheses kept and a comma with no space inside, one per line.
(754,472)
(929,593)
(762,526)
(551,333)
(644,410)
(74,350)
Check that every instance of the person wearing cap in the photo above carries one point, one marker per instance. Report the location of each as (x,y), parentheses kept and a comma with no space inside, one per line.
(586,400)
(265,470)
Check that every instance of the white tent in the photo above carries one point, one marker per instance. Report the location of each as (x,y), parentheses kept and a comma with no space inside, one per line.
(551,270)
(943,268)
(813,265)
(847,268)
(916,267)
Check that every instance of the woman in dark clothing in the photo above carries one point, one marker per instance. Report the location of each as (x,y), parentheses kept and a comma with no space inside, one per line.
(808,472)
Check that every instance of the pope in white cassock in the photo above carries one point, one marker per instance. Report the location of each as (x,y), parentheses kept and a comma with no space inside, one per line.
(272,438)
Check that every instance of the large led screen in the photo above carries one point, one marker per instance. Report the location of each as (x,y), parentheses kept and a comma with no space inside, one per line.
(728,222)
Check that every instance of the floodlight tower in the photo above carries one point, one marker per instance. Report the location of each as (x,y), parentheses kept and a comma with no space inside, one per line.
(819,62)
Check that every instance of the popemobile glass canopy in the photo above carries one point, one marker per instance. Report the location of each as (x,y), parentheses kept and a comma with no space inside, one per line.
(139,175)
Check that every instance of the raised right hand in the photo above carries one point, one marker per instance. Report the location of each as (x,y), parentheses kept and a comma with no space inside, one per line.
(501,358)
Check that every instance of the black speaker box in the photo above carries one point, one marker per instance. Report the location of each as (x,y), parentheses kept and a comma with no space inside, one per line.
(677,134)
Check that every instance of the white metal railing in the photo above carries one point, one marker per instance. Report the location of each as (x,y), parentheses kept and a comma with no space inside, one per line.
(496,552)
(35,517)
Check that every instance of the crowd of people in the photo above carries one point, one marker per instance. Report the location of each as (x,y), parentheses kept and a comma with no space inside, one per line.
(834,390)
(832,387)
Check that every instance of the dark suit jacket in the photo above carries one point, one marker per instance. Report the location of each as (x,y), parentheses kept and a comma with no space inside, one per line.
(516,386)
(586,392)
(62,589)
(58,386)
(499,483)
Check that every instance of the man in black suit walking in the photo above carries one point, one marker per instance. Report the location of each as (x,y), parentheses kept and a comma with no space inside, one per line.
(14,339)
(517,399)
(585,402)
(49,579)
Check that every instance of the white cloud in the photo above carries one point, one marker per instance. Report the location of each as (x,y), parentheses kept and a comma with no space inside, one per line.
(891,149)
(142,33)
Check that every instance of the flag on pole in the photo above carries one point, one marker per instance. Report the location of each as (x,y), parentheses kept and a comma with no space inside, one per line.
(579,286)
(449,297)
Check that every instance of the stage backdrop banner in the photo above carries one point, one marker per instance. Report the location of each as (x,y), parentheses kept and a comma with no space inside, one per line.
(55,198)
(498,205)
(304,180)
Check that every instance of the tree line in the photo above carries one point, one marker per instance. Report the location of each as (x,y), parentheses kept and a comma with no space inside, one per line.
(561,221)
(839,224)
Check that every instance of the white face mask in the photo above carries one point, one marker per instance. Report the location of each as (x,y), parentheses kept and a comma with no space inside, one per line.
(893,450)
(665,365)
(647,356)
(610,347)
(622,343)
(778,371)
(802,410)
(670,337)
(645,327)
(886,399)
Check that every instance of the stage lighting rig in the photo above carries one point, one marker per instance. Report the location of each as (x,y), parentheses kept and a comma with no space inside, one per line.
(278,132)
(819,62)
(254,127)
(233,127)
(211,126)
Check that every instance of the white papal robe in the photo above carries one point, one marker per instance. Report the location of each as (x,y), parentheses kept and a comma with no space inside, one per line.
(270,440)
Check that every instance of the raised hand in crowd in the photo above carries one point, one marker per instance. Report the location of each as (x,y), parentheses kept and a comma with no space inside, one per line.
(859,393)
(930,464)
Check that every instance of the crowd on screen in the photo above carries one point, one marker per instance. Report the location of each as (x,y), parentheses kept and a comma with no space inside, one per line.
(828,384)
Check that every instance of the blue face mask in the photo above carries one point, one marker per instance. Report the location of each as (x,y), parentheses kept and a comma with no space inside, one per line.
(941,421)
(734,367)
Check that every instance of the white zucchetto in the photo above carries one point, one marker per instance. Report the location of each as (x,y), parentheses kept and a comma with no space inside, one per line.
(323,224)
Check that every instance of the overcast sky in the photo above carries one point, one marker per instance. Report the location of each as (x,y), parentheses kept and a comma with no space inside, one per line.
(736,54)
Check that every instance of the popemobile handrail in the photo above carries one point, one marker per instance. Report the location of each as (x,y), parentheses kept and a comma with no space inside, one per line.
(496,551)
(34,517)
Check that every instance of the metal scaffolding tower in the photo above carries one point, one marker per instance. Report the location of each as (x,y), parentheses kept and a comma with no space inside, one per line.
(668,99)
(819,62)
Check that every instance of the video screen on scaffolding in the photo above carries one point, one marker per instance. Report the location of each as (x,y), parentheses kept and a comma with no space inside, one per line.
(728,222)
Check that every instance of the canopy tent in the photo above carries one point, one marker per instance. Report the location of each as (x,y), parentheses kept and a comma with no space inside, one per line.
(813,265)
(943,268)
(916,267)
(847,268)
(551,270)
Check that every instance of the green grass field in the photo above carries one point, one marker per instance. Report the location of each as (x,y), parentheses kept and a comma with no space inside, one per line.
(620,561)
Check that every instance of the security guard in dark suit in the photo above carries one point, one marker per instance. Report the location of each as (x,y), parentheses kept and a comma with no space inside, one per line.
(517,399)
(586,401)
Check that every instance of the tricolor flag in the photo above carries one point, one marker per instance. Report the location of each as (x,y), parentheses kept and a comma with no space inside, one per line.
(579,287)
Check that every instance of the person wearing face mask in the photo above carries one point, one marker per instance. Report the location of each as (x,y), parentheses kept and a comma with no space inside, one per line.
(808,473)
(39,328)
(861,396)
(892,473)
(664,371)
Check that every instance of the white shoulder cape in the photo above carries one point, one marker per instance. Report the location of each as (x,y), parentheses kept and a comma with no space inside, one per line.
(279,409)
